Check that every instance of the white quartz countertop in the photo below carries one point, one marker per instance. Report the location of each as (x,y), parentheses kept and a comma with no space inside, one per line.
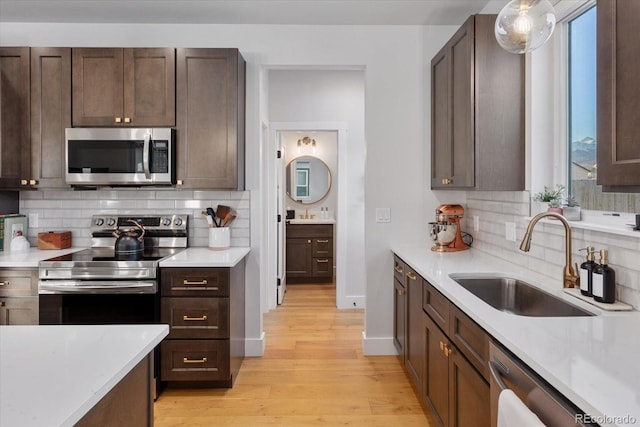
(205,257)
(53,375)
(31,258)
(593,361)
(312,221)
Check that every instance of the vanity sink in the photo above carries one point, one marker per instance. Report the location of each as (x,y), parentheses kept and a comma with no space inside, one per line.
(517,297)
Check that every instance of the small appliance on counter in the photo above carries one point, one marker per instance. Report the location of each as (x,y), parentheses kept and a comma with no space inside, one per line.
(445,231)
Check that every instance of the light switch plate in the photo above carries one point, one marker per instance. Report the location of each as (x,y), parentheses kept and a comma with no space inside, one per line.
(383,214)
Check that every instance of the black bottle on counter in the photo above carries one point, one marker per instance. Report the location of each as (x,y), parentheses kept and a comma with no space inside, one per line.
(586,272)
(604,280)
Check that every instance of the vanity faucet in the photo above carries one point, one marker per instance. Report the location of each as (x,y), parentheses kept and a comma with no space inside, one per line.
(570,278)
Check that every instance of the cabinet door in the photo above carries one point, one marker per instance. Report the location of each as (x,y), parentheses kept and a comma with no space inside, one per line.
(436,375)
(19,311)
(415,339)
(399,316)
(618,90)
(440,140)
(149,87)
(15,159)
(469,394)
(299,257)
(210,94)
(97,86)
(50,113)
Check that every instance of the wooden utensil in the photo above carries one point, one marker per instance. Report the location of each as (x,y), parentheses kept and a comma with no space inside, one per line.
(228,219)
(221,212)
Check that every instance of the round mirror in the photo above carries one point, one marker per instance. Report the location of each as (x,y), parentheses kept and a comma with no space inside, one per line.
(308,179)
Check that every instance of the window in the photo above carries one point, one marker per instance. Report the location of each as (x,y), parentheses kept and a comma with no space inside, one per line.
(302,180)
(582,107)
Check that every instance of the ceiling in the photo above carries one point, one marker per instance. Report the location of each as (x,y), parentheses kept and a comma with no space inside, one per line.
(303,12)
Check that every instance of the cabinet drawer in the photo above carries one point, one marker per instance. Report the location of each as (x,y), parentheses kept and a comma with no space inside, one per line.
(470,339)
(19,311)
(322,267)
(322,247)
(310,230)
(196,317)
(398,269)
(194,360)
(195,282)
(18,283)
(436,305)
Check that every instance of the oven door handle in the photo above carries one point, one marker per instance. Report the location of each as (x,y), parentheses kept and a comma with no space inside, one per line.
(96,287)
(145,156)
(498,370)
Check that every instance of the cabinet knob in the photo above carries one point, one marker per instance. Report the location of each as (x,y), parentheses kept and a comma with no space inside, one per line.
(308,241)
(24,182)
(127,119)
(447,181)
(118,119)
(5,283)
(33,182)
(179,182)
(401,292)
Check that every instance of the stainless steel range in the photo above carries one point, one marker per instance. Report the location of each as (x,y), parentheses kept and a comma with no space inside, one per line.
(98,285)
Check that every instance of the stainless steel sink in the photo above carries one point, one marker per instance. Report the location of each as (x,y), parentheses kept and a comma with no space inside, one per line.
(518,297)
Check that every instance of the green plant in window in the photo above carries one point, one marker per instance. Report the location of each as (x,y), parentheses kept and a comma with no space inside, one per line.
(551,196)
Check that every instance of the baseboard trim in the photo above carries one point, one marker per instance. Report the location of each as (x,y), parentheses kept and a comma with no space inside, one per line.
(379,346)
(254,347)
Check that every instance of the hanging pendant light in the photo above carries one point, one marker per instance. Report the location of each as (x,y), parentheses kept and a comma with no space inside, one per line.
(524,25)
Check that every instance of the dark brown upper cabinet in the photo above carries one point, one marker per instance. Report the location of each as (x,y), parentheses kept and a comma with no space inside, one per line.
(50,114)
(210,91)
(477,112)
(123,87)
(618,92)
(15,158)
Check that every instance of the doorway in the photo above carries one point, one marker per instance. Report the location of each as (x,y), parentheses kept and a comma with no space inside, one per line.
(327,100)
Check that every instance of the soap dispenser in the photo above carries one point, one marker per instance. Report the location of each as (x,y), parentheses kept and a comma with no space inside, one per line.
(604,280)
(586,272)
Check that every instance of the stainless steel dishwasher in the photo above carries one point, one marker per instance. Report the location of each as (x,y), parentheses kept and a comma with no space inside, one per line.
(553,409)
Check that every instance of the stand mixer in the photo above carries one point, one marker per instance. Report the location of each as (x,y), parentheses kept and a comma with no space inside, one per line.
(445,231)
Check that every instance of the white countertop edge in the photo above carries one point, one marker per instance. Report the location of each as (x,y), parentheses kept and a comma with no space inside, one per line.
(205,257)
(311,221)
(31,258)
(505,327)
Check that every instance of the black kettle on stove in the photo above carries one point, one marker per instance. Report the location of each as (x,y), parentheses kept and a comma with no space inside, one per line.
(130,242)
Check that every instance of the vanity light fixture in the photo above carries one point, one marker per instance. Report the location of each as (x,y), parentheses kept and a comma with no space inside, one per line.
(524,25)
(307,141)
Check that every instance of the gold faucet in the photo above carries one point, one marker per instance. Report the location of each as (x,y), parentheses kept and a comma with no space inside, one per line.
(570,279)
(306,213)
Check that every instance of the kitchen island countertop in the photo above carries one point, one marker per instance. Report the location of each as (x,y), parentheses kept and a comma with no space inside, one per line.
(593,361)
(205,257)
(53,375)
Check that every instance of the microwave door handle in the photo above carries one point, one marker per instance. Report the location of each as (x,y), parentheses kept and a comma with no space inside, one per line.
(145,155)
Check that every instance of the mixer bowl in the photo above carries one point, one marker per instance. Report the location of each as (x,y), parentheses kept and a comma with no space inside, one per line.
(443,233)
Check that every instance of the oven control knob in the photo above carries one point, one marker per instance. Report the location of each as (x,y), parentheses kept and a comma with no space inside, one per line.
(99,222)
(166,222)
(178,222)
(111,222)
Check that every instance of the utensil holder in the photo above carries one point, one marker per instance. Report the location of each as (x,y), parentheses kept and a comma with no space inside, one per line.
(219,238)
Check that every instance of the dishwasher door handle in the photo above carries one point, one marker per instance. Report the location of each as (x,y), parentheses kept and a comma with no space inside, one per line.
(497,370)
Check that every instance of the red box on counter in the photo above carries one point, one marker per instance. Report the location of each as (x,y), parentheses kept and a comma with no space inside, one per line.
(54,240)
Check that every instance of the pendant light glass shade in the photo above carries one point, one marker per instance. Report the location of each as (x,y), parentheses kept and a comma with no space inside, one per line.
(524,25)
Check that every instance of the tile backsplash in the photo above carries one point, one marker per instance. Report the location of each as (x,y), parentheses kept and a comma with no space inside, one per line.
(496,208)
(60,210)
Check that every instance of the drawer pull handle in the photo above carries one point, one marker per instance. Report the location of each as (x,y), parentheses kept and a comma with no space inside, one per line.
(322,241)
(322,261)
(447,181)
(188,282)
(447,350)
(5,283)
(411,276)
(187,360)
(398,269)
(401,292)
(441,346)
(194,319)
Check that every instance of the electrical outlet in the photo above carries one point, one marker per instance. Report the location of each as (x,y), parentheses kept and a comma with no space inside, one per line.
(510,231)
(33,220)
(476,223)
(383,214)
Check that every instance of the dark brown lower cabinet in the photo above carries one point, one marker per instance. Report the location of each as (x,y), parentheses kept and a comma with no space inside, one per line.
(309,253)
(415,349)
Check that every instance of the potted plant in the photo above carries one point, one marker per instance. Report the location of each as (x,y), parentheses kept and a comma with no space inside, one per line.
(571,209)
(552,197)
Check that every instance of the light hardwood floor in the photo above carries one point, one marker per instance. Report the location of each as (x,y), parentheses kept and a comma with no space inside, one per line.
(312,373)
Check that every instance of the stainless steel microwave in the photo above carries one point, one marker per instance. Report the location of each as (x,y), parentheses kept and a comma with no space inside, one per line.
(120,156)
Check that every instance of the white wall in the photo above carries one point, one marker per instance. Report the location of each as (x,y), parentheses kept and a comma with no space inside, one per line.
(395,110)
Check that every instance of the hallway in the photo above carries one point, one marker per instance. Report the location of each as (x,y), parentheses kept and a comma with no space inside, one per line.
(312,373)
